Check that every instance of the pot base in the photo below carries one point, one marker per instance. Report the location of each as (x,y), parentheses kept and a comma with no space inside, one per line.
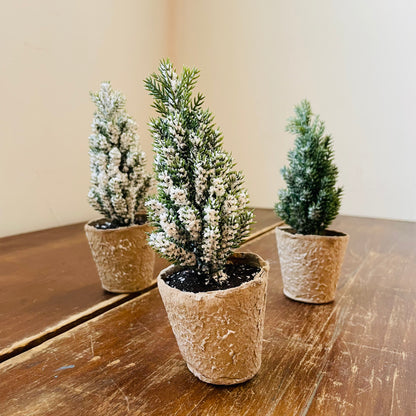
(219,333)
(223,381)
(123,258)
(310,264)
(305,300)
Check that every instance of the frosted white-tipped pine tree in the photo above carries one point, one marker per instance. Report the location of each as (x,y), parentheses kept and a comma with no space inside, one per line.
(119,182)
(200,211)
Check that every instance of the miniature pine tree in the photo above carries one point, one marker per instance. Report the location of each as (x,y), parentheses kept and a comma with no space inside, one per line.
(200,211)
(311,200)
(118,180)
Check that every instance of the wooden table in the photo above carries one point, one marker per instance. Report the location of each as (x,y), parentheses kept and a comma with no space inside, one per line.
(97,355)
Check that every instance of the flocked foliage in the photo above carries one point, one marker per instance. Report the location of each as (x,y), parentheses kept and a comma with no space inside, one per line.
(119,182)
(311,200)
(200,210)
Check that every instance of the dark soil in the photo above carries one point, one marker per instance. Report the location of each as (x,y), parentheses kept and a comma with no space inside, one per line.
(328,233)
(106,224)
(190,280)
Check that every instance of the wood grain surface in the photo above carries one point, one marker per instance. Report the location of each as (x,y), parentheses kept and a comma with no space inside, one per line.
(49,283)
(356,356)
(264,220)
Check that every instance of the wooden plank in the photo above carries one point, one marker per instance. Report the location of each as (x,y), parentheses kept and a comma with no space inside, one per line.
(374,356)
(355,356)
(49,283)
(265,220)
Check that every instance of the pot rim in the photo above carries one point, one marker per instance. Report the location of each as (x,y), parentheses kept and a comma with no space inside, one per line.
(89,226)
(286,230)
(258,278)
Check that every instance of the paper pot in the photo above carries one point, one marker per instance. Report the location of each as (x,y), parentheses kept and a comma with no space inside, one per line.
(219,333)
(123,258)
(310,264)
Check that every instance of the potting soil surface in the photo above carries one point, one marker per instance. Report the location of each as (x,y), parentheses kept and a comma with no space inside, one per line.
(190,280)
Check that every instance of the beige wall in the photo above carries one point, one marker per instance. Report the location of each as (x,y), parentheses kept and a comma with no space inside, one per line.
(353,60)
(52,54)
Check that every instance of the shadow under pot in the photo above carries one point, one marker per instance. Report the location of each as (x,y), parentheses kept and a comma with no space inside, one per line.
(310,264)
(123,258)
(219,333)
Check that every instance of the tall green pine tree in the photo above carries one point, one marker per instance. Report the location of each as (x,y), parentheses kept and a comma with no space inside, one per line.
(200,211)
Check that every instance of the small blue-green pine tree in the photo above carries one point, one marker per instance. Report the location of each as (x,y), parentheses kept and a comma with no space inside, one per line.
(311,200)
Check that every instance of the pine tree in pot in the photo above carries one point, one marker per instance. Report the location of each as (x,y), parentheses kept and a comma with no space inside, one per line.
(118,189)
(215,300)
(310,255)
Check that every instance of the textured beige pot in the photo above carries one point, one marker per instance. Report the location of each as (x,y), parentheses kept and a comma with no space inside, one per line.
(219,333)
(310,264)
(123,258)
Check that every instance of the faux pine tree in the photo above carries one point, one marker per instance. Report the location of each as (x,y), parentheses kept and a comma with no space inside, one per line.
(311,200)
(200,211)
(118,180)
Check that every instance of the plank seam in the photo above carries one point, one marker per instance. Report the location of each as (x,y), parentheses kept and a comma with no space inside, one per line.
(97,310)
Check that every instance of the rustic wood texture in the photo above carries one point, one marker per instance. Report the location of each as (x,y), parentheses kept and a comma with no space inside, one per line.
(264,220)
(356,356)
(49,282)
